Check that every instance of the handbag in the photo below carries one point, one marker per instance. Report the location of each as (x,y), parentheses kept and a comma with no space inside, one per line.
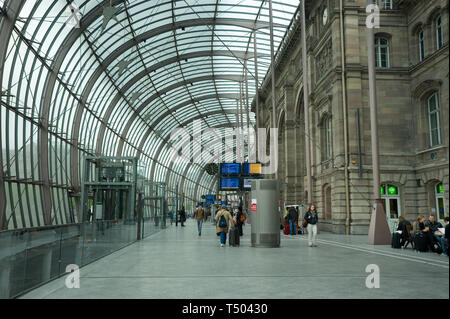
(305,223)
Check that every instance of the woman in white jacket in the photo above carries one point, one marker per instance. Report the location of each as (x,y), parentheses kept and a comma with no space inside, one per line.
(312,218)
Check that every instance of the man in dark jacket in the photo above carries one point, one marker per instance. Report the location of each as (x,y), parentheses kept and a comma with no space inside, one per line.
(434,227)
(293,219)
(182,216)
(241,217)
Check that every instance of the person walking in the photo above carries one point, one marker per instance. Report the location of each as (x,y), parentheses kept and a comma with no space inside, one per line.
(182,216)
(223,221)
(402,224)
(293,219)
(200,216)
(241,217)
(170,214)
(312,218)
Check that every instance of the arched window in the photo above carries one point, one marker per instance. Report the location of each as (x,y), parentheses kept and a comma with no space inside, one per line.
(434,120)
(439,36)
(381,52)
(390,197)
(421,38)
(439,197)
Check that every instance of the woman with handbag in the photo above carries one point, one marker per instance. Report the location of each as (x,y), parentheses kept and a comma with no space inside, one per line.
(310,221)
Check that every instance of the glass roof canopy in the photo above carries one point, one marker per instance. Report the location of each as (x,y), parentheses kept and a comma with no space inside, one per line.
(123,79)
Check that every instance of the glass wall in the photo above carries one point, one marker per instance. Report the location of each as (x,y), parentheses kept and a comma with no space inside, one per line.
(34,256)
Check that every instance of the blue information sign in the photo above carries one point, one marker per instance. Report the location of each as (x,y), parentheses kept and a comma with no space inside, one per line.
(229,183)
(231,169)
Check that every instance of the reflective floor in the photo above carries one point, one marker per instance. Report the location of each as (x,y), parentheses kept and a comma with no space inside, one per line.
(176,263)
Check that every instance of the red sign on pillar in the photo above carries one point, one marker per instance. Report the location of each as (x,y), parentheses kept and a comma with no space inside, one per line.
(254,206)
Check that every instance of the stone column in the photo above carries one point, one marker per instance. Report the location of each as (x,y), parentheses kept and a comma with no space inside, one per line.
(290,160)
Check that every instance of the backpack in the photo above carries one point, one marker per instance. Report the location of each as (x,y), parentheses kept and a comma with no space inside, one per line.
(222,222)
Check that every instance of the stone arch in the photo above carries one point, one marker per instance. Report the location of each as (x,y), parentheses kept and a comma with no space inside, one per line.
(433,15)
(418,26)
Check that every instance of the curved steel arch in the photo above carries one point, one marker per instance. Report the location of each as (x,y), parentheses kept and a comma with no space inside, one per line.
(189,164)
(70,40)
(57,94)
(6,29)
(167,113)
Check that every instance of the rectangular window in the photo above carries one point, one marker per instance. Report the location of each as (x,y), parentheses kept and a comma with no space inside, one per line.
(328,137)
(439,39)
(382,60)
(434,122)
(393,208)
(386,4)
(381,52)
(421,46)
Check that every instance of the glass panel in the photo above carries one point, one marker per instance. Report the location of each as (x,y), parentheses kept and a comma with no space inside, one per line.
(393,208)
(384,58)
(432,105)
(439,39)
(440,188)
(434,137)
(421,46)
(441,208)
(392,190)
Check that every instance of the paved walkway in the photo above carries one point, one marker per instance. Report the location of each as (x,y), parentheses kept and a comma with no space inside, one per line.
(176,263)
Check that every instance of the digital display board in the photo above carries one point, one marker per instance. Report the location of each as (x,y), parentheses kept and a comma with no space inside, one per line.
(251,169)
(209,202)
(210,197)
(229,183)
(230,169)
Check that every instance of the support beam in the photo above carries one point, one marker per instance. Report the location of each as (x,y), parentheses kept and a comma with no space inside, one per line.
(379,233)
(274,157)
(306,105)
(6,29)
(257,91)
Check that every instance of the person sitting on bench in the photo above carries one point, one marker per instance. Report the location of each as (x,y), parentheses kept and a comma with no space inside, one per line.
(434,228)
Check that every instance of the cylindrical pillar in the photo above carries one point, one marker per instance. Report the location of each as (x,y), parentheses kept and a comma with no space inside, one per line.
(265,226)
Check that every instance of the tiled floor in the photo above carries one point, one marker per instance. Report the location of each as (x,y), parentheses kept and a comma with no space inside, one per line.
(176,263)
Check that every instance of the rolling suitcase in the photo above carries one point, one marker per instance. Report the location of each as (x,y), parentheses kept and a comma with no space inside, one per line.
(420,242)
(234,239)
(287,229)
(396,240)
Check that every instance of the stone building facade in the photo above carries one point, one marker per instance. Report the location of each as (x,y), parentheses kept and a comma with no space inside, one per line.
(413,110)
